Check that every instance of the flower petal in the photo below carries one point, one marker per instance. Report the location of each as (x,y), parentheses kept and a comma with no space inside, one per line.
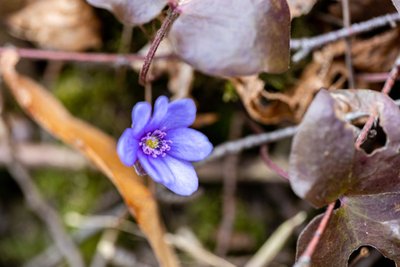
(177,175)
(160,109)
(140,117)
(181,113)
(156,168)
(188,144)
(127,147)
(186,181)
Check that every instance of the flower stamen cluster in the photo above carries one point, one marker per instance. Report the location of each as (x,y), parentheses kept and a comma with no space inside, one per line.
(155,144)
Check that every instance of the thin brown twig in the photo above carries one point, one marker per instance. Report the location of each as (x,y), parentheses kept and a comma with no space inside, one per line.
(124,48)
(267,160)
(254,140)
(116,59)
(250,141)
(229,191)
(348,58)
(365,130)
(186,241)
(265,154)
(173,14)
(33,155)
(306,45)
(305,258)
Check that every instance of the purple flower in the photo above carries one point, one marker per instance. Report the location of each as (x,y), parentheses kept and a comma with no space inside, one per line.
(163,145)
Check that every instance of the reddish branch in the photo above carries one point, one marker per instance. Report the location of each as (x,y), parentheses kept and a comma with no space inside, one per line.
(373,77)
(305,258)
(41,54)
(265,154)
(387,87)
(365,130)
(393,75)
(166,25)
(267,160)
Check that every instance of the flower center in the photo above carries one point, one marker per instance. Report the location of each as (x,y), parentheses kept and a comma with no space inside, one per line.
(154,144)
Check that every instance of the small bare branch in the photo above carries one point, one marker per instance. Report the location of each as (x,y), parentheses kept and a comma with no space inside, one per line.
(276,241)
(306,45)
(186,241)
(230,170)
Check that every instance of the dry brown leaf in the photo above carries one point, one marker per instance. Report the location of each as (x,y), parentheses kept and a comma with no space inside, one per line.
(300,7)
(272,108)
(378,53)
(57,24)
(205,119)
(95,145)
(250,90)
(180,74)
(327,70)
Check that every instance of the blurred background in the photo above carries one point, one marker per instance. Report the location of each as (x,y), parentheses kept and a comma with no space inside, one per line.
(240,203)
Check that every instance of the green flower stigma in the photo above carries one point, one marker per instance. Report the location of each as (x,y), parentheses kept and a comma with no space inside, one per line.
(152,143)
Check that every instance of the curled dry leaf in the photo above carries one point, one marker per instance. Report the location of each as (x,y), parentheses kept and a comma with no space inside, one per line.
(251,91)
(327,70)
(95,145)
(132,12)
(376,54)
(180,74)
(272,108)
(324,163)
(57,24)
(233,37)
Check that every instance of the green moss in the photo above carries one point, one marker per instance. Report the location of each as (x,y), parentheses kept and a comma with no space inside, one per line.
(93,96)
(71,191)
(230,94)
(27,237)
(205,214)
(88,248)
(245,223)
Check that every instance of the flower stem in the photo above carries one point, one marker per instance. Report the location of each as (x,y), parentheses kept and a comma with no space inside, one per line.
(272,165)
(173,14)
